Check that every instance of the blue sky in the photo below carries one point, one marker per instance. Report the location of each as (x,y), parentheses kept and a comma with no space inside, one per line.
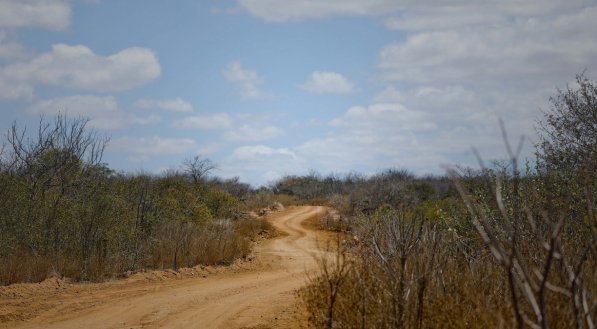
(266,88)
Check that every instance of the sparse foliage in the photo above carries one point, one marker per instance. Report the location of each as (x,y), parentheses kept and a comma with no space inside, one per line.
(63,212)
(568,134)
(517,249)
(197,168)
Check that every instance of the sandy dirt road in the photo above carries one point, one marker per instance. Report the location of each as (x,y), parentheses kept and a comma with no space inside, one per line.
(263,296)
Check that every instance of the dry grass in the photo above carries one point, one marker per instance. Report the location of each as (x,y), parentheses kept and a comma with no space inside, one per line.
(175,244)
(512,255)
(405,270)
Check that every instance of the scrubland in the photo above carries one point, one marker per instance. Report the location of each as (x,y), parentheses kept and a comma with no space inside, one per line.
(510,244)
(64,213)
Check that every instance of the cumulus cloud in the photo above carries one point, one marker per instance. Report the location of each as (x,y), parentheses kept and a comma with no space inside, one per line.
(47,14)
(276,11)
(443,48)
(84,105)
(139,149)
(261,164)
(365,137)
(102,111)
(467,65)
(449,103)
(440,18)
(259,151)
(237,128)
(79,68)
(327,83)
(390,115)
(176,105)
(11,49)
(384,135)
(338,154)
(439,15)
(249,133)
(381,133)
(246,80)
(214,121)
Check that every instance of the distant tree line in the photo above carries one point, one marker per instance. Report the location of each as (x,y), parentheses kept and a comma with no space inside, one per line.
(364,194)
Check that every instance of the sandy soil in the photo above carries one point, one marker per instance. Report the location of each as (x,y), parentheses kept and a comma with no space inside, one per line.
(256,294)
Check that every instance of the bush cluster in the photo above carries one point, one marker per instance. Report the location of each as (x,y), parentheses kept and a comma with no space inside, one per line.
(63,212)
(516,248)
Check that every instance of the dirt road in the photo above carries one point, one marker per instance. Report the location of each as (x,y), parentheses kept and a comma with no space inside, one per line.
(263,296)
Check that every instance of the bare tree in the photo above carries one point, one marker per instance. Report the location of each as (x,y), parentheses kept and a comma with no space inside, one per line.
(197,168)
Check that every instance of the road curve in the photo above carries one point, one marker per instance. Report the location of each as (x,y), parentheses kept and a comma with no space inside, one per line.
(264,297)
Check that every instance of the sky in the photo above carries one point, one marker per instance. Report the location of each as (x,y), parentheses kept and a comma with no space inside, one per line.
(267,88)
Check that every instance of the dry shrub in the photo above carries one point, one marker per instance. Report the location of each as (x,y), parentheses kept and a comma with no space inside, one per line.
(174,245)
(405,271)
(218,242)
(316,202)
(17,268)
(254,228)
(37,268)
(524,254)
(332,220)
(402,272)
(265,199)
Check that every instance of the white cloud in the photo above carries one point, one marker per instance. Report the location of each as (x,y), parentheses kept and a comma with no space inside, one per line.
(453,70)
(393,116)
(390,94)
(140,149)
(260,164)
(372,137)
(234,129)
(175,105)
(327,83)
(277,11)
(541,49)
(77,67)
(8,90)
(387,135)
(10,49)
(142,121)
(259,151)
(466,66)
(449,103)
(247,81)
(439,18)
(103,111)
(441,15)
(249,133)
(52,15)
(77,105)
(384,135)
(215,121)
(344,153)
